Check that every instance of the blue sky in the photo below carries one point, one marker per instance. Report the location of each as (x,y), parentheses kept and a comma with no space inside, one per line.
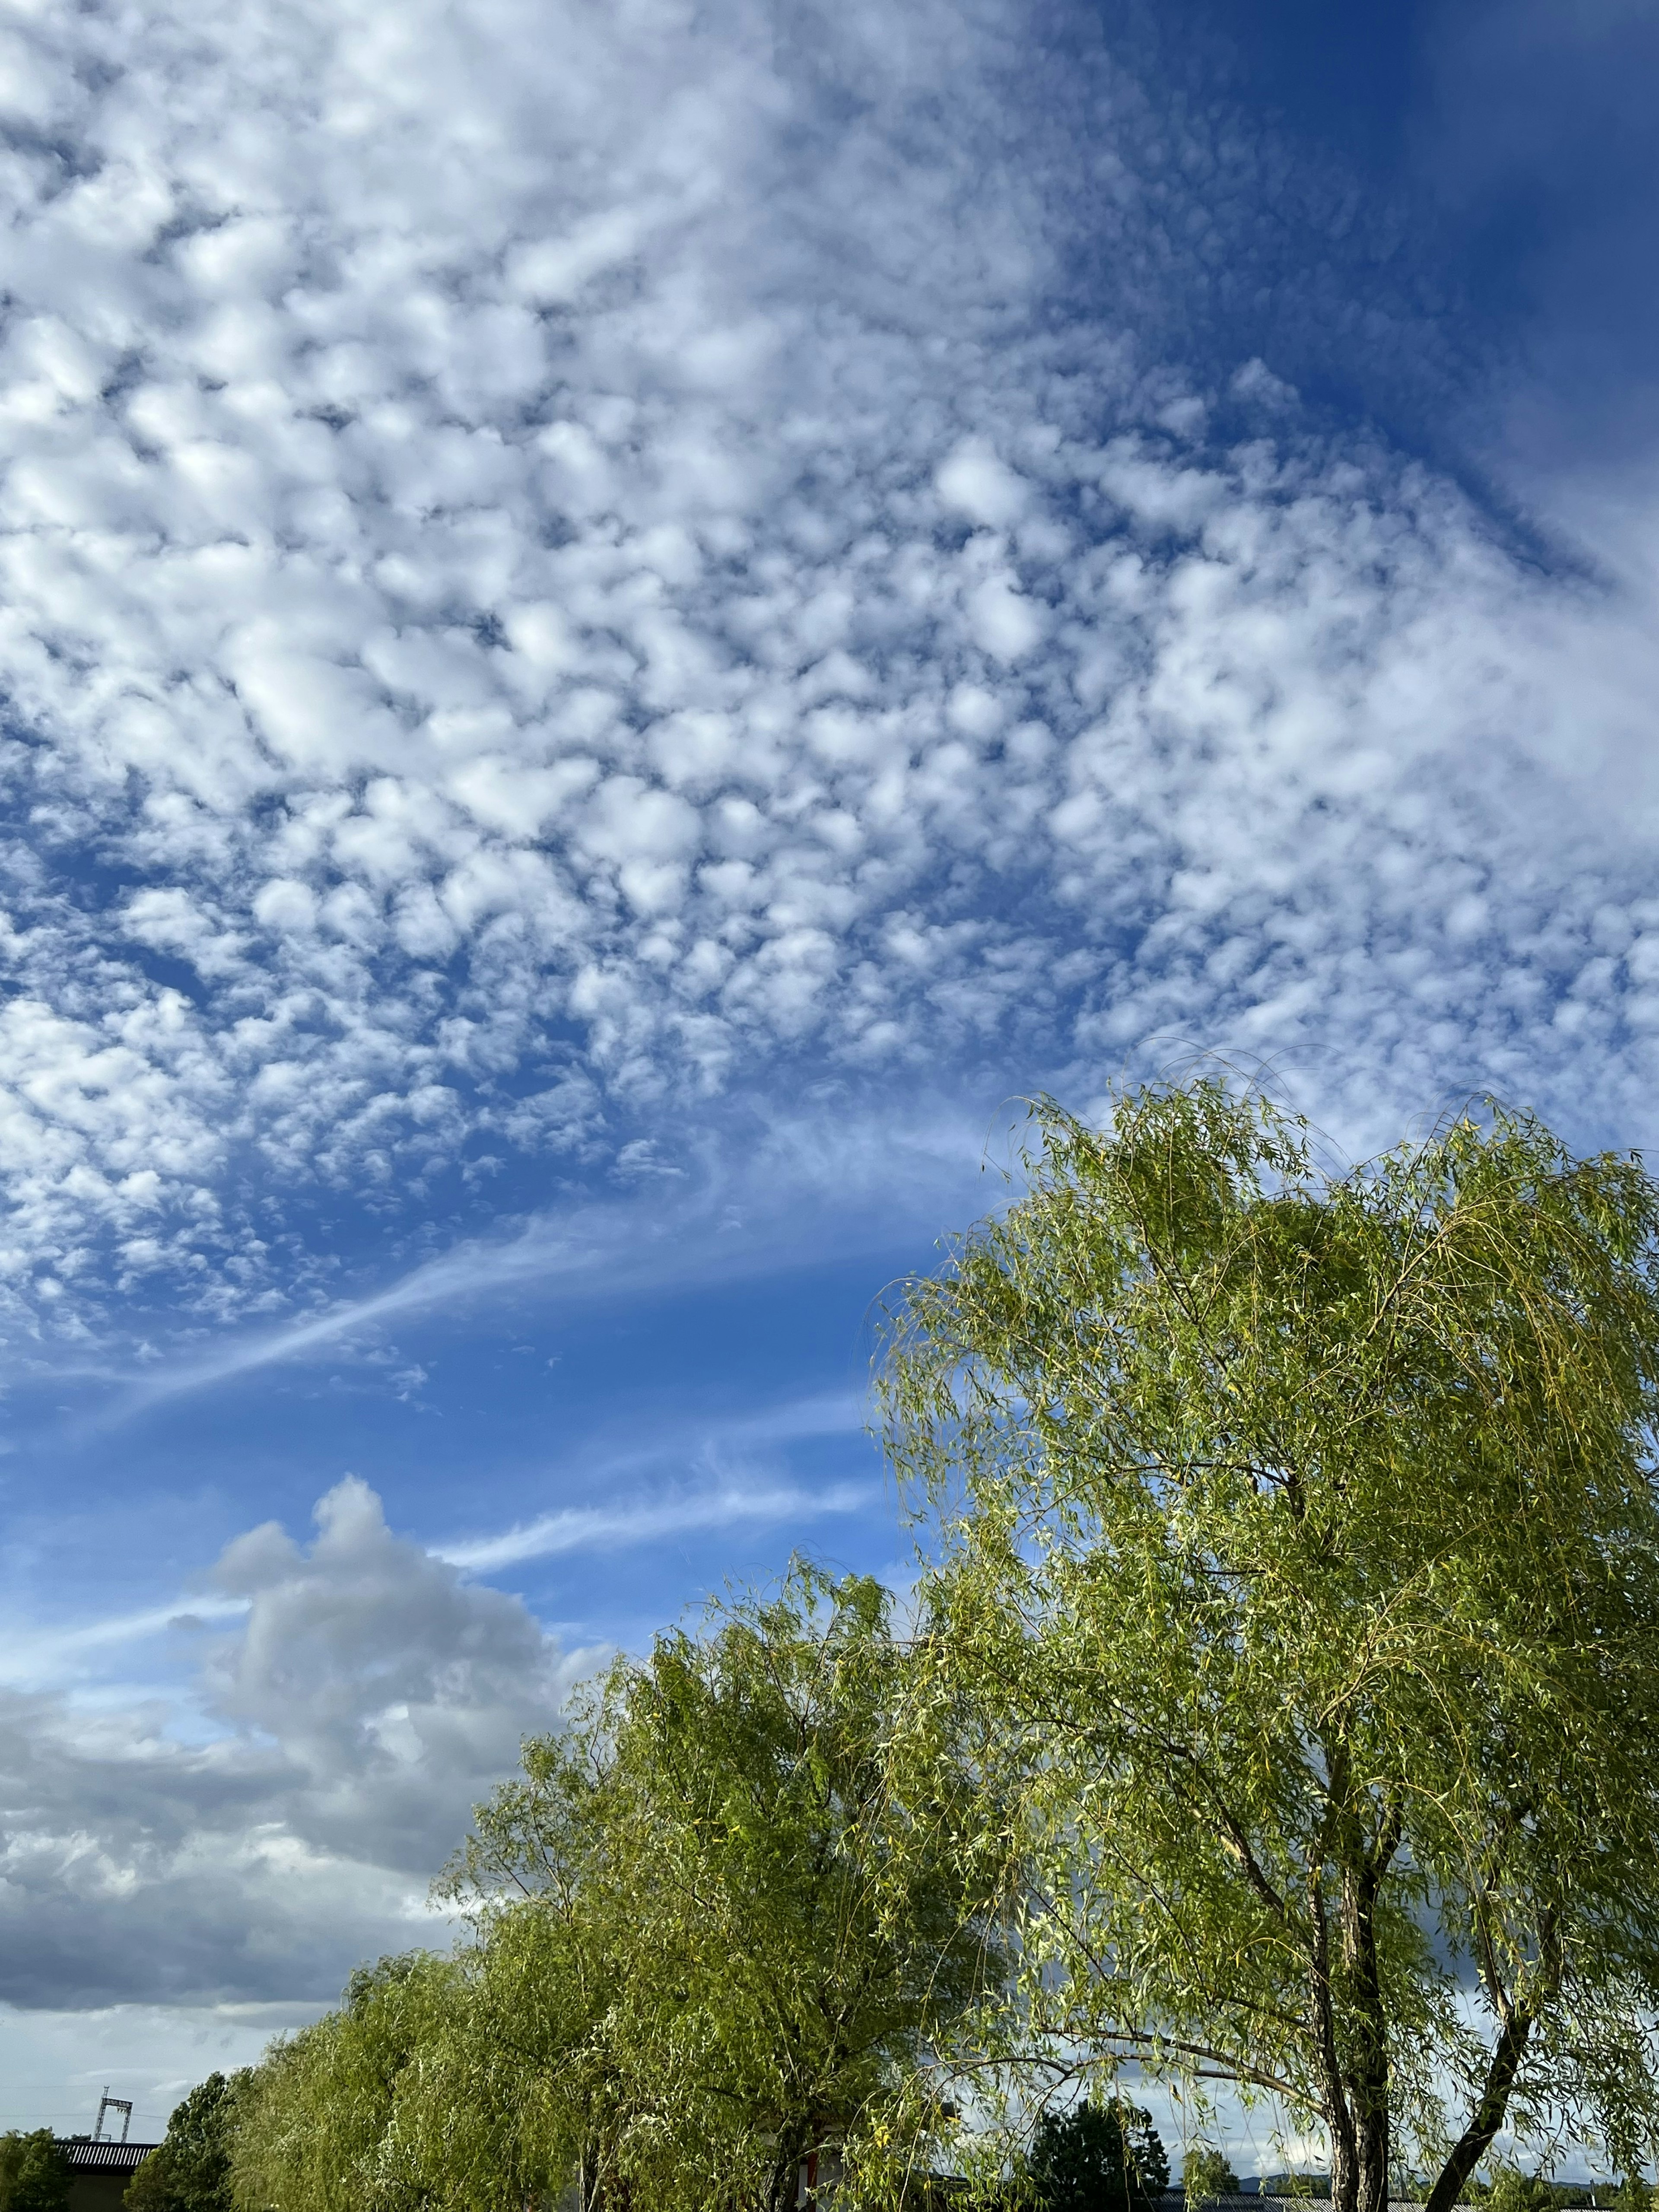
(619,626)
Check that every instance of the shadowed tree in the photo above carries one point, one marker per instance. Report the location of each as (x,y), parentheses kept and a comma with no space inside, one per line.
(1298,1573)
(189,2171)
(1097,2158)
(1206,2174)
(35,2172)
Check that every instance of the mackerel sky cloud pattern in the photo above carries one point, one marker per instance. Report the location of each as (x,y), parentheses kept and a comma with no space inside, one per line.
(511,615)
(615,621)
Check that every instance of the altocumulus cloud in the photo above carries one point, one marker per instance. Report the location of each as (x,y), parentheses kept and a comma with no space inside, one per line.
(251,1843)
(557,558)
(567,569)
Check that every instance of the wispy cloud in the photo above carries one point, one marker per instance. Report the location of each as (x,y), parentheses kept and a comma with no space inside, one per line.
(603,1527)
(772,1194)
(49,1656)
(713,1484)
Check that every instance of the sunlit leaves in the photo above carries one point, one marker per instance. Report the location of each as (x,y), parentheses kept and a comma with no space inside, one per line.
(1297,1560)
(708,1943)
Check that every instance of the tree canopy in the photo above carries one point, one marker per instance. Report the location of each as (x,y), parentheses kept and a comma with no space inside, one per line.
(35,2172)
(1204,2174)
(1096,2158)
(707,1943)
(189,2170)
(1297,1577)
(1274,1710)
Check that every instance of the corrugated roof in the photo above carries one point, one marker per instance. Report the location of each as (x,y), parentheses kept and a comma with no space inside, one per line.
(121,2158)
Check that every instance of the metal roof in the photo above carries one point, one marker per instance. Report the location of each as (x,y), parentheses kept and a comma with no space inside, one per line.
(106,2157)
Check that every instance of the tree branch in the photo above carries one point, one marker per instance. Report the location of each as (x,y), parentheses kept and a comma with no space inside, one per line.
(1508,2052)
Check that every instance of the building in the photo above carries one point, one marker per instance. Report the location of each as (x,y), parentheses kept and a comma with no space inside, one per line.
(99,2172)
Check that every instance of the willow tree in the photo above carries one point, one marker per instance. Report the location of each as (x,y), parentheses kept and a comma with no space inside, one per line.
(189,2170)
(703,1924)
(1298,1571)
(706,1945)
(316,2126)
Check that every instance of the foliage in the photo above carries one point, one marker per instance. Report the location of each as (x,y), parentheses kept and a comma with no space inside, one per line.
(317,2120)
(1634,2194)
(706,1942)
(1298,1594)
(189,2171)
(34,2171)
(1511,2190)
(1204,2174)
(1096,2158)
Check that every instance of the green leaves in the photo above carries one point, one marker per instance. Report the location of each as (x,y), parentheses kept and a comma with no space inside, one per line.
(189,2171)
(35,2172)
(1297,1544)
(1096,2158)
(1206,2173)
(781,1950)
(1278,1712)
(324,2121)
(709,1941)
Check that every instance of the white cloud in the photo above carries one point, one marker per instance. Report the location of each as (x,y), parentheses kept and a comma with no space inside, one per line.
(251,1847)
(979,485)
(386,1680)
(592,1527)
(481,574)
(514,622)
(1003,623)
(356,1696)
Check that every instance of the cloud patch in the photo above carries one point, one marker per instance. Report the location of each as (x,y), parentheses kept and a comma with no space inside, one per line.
(513,625)
(250,1846)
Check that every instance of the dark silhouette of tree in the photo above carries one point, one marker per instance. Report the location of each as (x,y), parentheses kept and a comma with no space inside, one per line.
(1097,2158)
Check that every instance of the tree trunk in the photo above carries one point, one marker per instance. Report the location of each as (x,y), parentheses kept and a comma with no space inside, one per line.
(1339,2121)
(1368,2065)
(1487,2117)
(1508,2050)
(1355,2062)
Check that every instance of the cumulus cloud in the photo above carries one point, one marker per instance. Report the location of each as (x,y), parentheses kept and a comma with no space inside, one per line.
(253,1845)
(392,1687)
(512,621)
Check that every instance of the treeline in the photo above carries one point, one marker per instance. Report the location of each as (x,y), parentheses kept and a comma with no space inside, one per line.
(708,1938)
(1275,1710)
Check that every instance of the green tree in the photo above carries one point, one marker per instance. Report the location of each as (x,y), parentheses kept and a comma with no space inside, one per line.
(189,2171)
(316,2122)
(1206,2174)
(1097,2158)
(35,2172)
(755,1946)
(1634,2194)
(706,1943)
(1300,1569)
(1511,2190)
